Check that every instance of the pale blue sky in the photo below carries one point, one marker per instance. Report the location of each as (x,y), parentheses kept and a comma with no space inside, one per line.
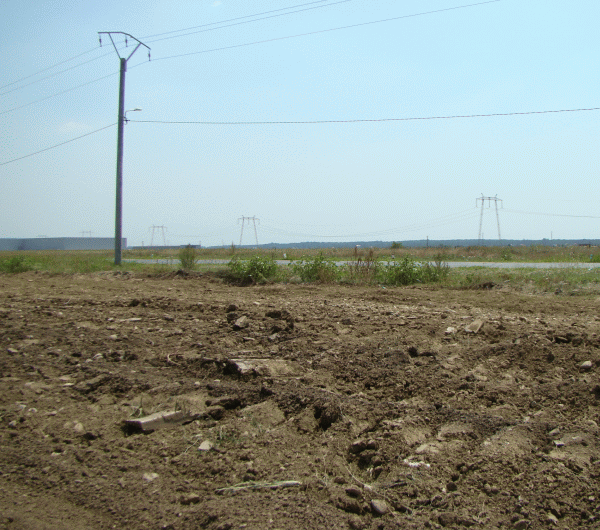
(395,180)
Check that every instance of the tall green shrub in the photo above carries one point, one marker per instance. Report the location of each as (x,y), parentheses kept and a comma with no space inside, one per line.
(257,269)
(187,257)
(317,269)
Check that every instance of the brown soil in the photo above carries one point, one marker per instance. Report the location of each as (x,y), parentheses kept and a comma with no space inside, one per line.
(327,406)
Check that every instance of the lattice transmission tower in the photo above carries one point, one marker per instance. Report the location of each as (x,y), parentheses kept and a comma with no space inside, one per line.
(248,219)
(489,199)
(158,230)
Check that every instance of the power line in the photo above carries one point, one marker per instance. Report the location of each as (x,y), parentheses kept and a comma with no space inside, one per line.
(54,75)
(57,145)
(442,221)
(172,37)
(231,19)
(321,122)
(552,214)
(328,30)
(58,93)
(250,21)
(48,68)
(373,120)
(227,48)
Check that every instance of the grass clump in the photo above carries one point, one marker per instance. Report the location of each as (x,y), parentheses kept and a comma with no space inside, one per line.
(187,258)
(15,265)
(257,269)
(364,269)
(408,271)
(316,269)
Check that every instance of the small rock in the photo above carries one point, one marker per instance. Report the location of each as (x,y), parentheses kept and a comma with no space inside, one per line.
(358,446)
(241,323)
(149,477)
(353,491)
(475,326)
(379,507)
(348,505)
(206,445)
(451,486)
(522,524)
(12,351)
(216,412)
(192,498)
(552,518)
(231,308)
(586,366)
(450,330)
(554,432)
(78,428)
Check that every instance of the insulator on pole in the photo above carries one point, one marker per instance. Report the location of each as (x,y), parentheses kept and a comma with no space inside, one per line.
(100,39)
(125,42)
(148,55)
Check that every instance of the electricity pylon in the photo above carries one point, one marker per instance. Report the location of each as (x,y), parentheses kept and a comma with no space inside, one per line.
(253,219)
(489,199)
(120,123)
(158,230)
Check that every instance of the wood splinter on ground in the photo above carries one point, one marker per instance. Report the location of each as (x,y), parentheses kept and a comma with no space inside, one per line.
(261,485)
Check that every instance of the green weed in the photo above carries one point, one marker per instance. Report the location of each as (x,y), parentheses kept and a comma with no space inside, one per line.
(316,269)
(15,265)
(257,269)
(187,258)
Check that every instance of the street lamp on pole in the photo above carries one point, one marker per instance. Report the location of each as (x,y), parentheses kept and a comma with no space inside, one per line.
(131,110)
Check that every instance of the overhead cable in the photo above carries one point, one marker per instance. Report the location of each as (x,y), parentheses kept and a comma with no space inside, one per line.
(551,214)
(371,120)
(48,68)
(54,75)
(249,21)
(231,20)
(58,93)
(327,30)
(443,221)
(57,145)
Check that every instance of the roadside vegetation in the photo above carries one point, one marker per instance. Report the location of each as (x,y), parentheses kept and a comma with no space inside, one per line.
(381,268)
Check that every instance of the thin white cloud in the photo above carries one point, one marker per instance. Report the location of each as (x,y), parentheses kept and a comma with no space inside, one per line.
(217,3)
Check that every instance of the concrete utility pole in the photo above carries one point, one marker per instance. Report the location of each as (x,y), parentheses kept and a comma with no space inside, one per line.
(253,219)
(489,199)
(120,123)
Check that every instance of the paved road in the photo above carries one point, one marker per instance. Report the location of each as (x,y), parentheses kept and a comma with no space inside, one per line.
(451,264)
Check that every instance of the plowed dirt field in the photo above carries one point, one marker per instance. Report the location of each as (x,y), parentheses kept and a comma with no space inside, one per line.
(294,406)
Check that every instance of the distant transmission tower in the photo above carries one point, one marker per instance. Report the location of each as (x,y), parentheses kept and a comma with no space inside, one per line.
(158,230)
(489,199)
(244,219)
